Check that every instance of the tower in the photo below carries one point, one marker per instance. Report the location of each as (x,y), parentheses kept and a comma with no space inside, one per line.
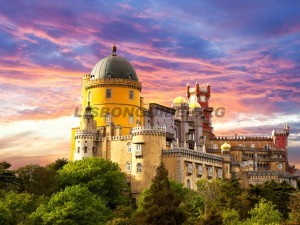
(113,90)
(202,95)
(86,137)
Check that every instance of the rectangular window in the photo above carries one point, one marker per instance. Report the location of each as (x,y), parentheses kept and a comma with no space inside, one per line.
(85,149)
(94,150)
(190,168)
(210,171)
(220,175)
(131,95)
(200,171)
(130,119)
(108,93)
(138,150)
(78,149)
(108,118)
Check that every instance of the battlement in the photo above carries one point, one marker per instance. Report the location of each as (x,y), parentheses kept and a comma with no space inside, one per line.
(190,153)
(122,137)
(148,131)
(254,138)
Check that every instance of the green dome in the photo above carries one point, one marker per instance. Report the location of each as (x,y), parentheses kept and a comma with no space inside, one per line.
(114,66)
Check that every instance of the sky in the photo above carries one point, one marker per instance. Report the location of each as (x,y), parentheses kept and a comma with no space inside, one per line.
(248,51)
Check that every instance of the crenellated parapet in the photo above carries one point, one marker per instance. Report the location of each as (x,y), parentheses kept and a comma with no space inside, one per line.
(121,137)
(254,138)
(159,131)
(113,82)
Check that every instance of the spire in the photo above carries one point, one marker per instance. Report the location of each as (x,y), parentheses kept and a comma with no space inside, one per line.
(114,50)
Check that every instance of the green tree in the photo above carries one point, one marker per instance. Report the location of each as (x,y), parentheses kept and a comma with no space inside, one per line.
(5,214)
(161,204)
(100,176)
(277,193)
(20,205)
(38,180)
(263,213)
(58,164)
(75,205)
(230,217)
(8,179)
(294,206)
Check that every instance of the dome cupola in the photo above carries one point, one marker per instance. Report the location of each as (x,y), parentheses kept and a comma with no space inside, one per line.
(113,66)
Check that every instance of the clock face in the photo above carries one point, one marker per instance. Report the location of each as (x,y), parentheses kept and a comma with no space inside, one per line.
(280,166)
(202,98)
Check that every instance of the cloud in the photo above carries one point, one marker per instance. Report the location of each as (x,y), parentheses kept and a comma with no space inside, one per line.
(247,50)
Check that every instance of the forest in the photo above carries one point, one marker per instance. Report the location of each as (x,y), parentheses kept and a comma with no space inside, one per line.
(94,191)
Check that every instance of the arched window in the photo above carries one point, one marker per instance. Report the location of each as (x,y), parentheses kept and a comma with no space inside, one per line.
(128,166)
(139,168)
(215,146)
(188,184)
(149,124)
(129,147)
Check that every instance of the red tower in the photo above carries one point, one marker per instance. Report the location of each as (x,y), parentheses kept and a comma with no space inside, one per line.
(202,95)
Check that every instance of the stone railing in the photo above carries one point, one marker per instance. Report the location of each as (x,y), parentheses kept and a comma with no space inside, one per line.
(193,153)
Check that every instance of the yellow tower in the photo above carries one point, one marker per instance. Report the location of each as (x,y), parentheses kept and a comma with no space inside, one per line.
(113,91)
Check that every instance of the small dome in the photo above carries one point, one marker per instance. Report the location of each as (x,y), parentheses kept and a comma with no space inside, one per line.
(113,66)
(225,147)
(194,105)
(179,100)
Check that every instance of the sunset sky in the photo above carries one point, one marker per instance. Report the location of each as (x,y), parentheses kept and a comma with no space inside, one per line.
(248,51)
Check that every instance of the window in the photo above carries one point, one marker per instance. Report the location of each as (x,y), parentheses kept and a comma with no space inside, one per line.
(108,93)
(130,119)
(85,149)
(129,147)
(131,95)
(78,149)
(190,168)
(139,168)
(210,171)
(215,146)
(128,166)
(188,184)
(138,150)
(220,173)
(108,118)
(89,96)
(94,150)
(252,145)
(200,170)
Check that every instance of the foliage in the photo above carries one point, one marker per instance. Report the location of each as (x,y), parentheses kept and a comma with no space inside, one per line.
(20,205)
(124,216)
(5,214)
(8,179)
(294,206)
(58,164)
(263,213)
(38,180)
(74,205)
(277,193)
(230,217)
(101,177)
(161,204)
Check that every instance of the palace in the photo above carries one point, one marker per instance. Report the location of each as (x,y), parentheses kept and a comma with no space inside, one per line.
(117,125)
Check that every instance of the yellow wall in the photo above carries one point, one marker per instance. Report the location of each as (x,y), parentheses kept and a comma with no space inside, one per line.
(119,105)
(73,142)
